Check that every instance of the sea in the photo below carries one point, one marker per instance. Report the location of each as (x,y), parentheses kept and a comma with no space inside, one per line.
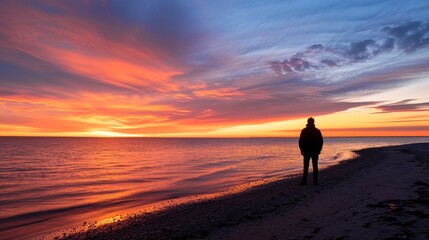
(49,184)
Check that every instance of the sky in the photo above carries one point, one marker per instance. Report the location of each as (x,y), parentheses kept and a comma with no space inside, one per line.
(214,68)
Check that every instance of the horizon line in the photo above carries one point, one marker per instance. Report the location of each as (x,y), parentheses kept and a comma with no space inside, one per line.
(202,137)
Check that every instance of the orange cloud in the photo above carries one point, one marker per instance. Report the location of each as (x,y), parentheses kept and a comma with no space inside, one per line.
(114,71)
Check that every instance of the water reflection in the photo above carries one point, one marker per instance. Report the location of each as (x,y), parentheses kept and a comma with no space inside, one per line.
(49,183)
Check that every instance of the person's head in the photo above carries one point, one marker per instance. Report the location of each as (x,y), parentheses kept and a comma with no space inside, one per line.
(310,121)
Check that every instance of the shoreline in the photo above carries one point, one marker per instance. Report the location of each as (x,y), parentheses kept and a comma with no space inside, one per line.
(275,210)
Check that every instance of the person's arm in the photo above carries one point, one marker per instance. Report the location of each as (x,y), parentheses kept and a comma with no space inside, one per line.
(320,141)
(301,142)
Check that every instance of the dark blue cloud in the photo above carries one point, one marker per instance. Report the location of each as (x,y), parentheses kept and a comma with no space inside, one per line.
(404,106)
(410,36)
(359,51)
(407,37)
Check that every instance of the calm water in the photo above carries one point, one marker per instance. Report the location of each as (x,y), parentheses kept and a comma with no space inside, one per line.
(47,184)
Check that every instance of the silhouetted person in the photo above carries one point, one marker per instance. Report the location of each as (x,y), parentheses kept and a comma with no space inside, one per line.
(310,143)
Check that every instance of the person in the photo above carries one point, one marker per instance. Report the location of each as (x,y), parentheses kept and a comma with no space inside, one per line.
(310,144)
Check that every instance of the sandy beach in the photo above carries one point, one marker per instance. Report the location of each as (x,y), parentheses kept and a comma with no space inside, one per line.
(382,194)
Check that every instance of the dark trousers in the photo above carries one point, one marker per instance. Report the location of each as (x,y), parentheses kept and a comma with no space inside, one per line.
(314,159)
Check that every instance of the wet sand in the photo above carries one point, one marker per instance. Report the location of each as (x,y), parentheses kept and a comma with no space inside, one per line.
(382,194)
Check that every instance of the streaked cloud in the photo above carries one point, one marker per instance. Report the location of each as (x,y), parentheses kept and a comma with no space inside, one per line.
(404,106)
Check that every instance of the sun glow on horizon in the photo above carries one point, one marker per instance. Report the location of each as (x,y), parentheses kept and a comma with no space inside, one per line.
(111,134)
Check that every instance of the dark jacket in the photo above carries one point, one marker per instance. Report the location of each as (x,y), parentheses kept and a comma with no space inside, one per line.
(310,140)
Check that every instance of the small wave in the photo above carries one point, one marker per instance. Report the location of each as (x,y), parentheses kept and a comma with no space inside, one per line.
(216,164)
(211,175)
(261,157)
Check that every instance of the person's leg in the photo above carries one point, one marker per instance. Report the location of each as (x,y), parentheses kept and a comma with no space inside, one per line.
(314,160)
(305,175)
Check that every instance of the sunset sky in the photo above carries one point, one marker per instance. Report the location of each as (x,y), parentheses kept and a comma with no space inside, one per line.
(214,68)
